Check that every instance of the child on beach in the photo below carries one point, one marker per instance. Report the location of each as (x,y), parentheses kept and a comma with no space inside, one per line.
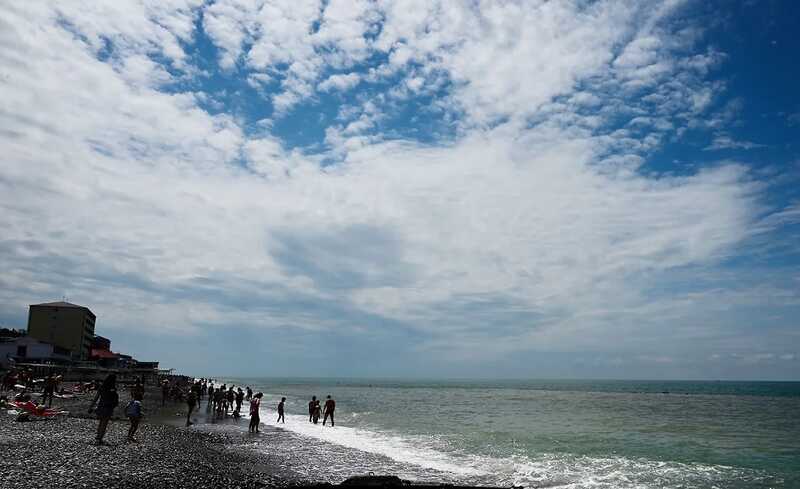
(134,413)
(281,419)
(255,404)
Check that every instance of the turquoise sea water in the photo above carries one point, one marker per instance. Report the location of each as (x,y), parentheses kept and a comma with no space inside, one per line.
(550,433)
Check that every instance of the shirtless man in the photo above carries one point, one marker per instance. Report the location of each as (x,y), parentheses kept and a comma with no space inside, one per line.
(330,407)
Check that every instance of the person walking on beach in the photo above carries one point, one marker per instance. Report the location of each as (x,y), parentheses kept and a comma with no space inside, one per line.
(211,398)
(133,411)
(330,407)
(103,405)
(311,408)
(281,419)
(255,405)
(191,400)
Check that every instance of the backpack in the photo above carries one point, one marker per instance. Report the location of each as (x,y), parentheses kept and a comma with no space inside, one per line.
(133,409)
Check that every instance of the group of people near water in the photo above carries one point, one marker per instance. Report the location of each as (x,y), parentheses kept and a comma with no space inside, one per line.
(314,410)
(221,400)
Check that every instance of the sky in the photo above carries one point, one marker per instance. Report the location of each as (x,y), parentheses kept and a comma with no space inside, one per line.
(482,189)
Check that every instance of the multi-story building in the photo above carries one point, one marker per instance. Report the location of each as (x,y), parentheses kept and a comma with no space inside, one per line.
(63,324)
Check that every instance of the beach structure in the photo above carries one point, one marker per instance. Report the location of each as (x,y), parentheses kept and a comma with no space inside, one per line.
(27,349)
(63,324)
(101,343)
(60,340)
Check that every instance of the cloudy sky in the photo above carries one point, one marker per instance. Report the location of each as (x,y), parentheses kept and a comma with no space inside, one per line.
(411,188)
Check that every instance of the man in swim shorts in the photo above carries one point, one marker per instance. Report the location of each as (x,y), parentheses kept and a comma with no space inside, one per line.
(330,407)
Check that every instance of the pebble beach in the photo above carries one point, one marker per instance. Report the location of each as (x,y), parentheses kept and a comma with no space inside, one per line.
(60,452)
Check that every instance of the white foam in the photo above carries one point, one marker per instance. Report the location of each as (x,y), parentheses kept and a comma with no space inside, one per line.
(399,448)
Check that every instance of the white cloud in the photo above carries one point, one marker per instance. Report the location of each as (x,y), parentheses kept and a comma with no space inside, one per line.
(723,141)
(340,82)
(531,225)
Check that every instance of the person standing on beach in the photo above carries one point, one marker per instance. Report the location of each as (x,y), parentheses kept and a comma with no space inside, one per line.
(311,408)
(134,413)
(49,390)
(197,391)
(191,400)
(239,401)
(330,407)
(164,392)
(255,419)
(230,397)
(281,419)
(249,394)
(105,401)
(137,391)
(219,400)
(211,398)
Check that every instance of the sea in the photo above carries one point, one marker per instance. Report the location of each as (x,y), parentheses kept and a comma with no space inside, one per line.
(538,433)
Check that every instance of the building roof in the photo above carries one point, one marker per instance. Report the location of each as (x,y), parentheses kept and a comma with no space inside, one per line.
(62,304)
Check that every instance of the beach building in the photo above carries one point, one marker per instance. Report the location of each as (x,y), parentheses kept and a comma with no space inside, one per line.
(27,349)
(63,324)
(101,343)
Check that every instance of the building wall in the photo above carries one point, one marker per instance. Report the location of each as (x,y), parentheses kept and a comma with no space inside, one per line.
(34,350)
(68,327)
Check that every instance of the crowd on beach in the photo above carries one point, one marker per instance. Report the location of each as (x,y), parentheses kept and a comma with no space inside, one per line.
(221,400)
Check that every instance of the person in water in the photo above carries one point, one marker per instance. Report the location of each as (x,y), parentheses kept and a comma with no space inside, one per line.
(315,418)
(311,408)
(103,405)
(281,419)
(330,407)
(255,405)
